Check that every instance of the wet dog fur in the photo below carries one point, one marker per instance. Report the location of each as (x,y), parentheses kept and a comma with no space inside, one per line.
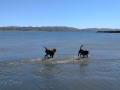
(49,52)
(83,52)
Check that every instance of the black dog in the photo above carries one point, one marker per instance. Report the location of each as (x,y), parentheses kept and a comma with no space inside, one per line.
(50,52)
(83,52)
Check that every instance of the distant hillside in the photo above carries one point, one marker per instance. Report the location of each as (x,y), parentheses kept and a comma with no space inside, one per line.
(59,28)
(30,28)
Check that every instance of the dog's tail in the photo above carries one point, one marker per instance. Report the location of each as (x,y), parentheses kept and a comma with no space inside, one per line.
(45,48)
(81,47)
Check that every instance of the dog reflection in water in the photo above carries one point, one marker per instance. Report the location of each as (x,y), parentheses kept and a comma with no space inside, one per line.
(49,52)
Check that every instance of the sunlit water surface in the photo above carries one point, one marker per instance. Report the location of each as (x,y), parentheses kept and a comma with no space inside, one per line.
(22,66)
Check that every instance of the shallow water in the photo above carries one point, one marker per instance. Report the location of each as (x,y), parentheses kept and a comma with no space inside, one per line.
(22,66)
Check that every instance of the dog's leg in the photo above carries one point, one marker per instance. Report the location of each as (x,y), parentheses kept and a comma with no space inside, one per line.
(87,55)
(80,55)
(46,55)
(52,55)
(83,56)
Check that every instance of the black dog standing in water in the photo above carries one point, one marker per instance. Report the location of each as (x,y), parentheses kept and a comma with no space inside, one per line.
(83,52)
(50,52)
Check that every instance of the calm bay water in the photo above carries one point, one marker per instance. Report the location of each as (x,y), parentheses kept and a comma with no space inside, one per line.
(22,68)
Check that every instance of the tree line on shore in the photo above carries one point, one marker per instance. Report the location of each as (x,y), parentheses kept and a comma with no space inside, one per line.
(57,28)
(108,31)
(30,28)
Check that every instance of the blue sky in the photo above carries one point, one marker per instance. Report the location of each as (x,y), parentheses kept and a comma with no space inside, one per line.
(72,13)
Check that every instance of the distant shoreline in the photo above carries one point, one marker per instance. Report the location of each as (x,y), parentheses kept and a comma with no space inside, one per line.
(108,31)
(58,28)
(47,28)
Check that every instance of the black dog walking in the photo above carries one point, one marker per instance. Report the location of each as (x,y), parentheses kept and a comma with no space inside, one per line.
(83,52)
(50,52)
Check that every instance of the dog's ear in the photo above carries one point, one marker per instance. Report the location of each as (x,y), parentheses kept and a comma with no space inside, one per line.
(55,50)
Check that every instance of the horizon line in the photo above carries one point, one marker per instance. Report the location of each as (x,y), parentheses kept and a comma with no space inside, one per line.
(63,26)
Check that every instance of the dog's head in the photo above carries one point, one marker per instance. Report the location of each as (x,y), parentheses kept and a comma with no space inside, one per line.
(54,50)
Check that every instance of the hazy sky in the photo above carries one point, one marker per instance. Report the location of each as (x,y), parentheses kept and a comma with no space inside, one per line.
(73,13)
